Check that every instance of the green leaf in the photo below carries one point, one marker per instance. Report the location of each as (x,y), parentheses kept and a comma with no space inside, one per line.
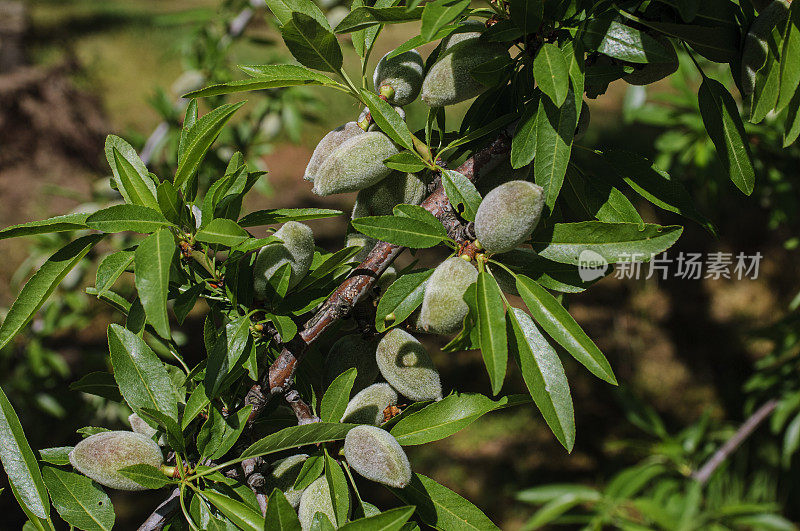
(265,77)
(558,506)
(365,16)
(23,473)
(523,145)
(199,139)
(42,284)
(281,516)
(492,329)
(336,397)
(130,173)
(56,456)
(615,242)
(340,492)
(399,230)
(282,9)
(555,129)
(136,189)
(110,269)
(142,378)
(122,218)
(146,476)
(442,508)
(543,374)
(405,161)
(401,299)
(527,15)
(450,415)
(724,125)
(282,215)
(227,355)
(312,469)
(462,194)
(388,120)
(312,44)
(656,186)
(391,520)
(222,231)
(243,516)
(438,14)
(57,224)
(98,383)
(790,69)
(153,259)
(792,127)
(169,203)
(715,42)
(594,198)
(295,436)
(196,403)
(79,500)
(551,73)
(617,40)
(560,325)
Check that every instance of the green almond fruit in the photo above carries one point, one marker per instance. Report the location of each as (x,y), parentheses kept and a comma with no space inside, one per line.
(316,499)
(282,476)
(450,81)
(355,165)
(101,456)
(443,307)
(399,78)
(368,405)
(406,365)
(328,145)
(374,454)
(467,30)
(296,249)
(380,199)
(507,215)
(352,351)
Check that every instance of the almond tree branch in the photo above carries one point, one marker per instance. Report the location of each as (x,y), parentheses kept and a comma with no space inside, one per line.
(162,513)
(731,445)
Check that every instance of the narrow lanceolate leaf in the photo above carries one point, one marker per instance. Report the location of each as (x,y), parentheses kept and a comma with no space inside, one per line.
(448,416)
(543,374)
(792,127)
(152,262)
(523,145)
(340,492)
(724,126)
(401,299)
(227,355)
(438,14)
(336,397)
(42,284)
(312,44)
(462,194)
(365,17)
(64,223)
(282,215)
(296,436)
(265,77)
(492,329)
(130,173)
(555,129)
(146,476)
(527,15)
(19,463)
(614,242)
(281,516)
(79,500)
(136,189)
(391,520)
(199,140)
(283,9)
(790,66)
(142,377)
(243,516)
(560,325)
(551,73)
(222,231)
(110,269)
(122,218)
(388,120)
(399,230)
(617,40)
(442,508)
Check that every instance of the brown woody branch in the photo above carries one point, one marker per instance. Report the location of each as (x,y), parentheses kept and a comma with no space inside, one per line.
(162,513)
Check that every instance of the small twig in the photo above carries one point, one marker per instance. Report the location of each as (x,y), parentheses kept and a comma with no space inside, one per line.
(162,513)
(731,445)
(301,410)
